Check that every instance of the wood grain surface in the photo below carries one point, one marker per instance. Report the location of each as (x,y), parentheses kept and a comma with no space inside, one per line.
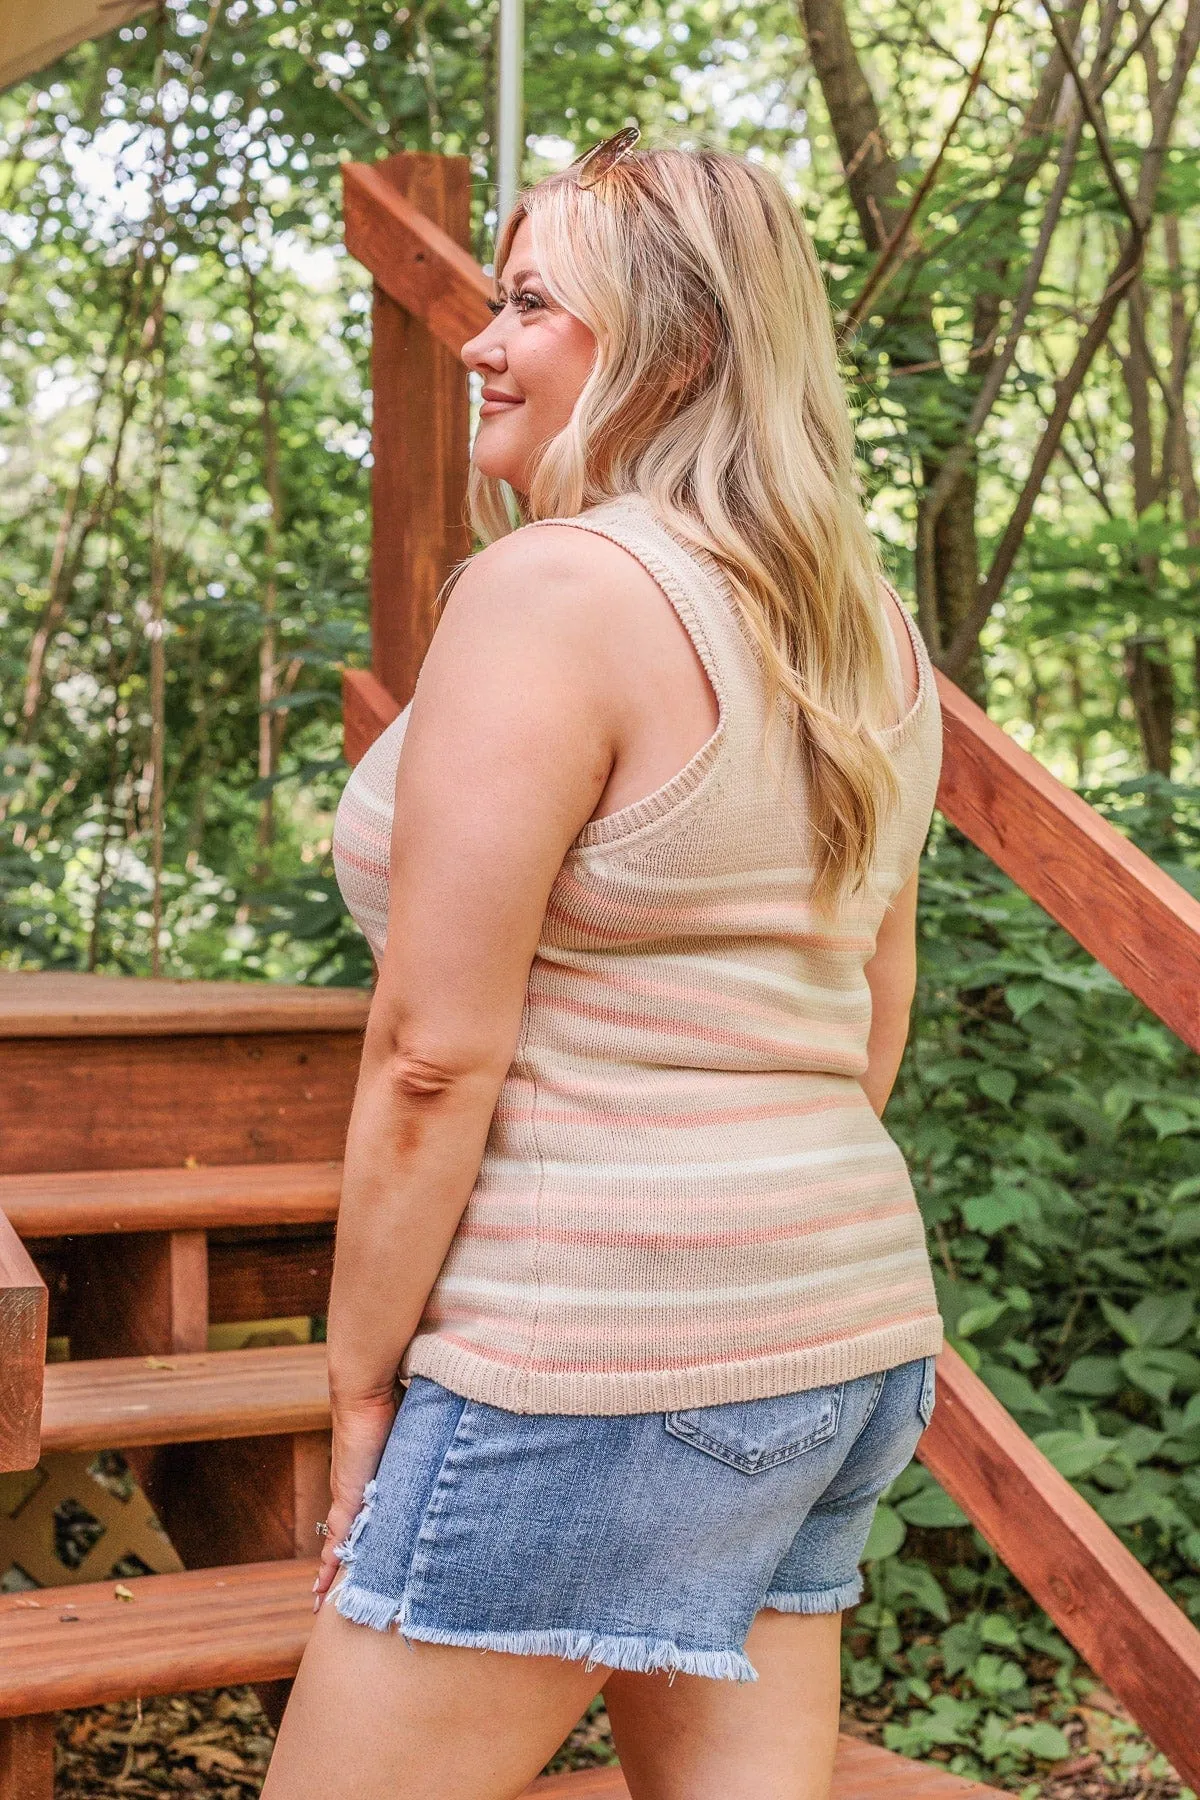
(1098,1594)
(24,1316)
(114,1402)
(95,1202)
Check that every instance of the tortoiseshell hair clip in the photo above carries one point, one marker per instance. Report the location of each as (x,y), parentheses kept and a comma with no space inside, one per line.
(597,161)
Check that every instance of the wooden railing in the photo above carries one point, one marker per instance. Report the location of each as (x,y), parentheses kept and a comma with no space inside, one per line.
(406,222)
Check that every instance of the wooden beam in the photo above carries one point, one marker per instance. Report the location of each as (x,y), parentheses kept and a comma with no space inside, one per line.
(24,1314)
(1098,1594)
(418,259)
(1142,926)
(367,710)
(277,1277)
(408,218)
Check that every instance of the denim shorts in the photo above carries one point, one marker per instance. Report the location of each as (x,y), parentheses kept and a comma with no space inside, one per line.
(641,1541)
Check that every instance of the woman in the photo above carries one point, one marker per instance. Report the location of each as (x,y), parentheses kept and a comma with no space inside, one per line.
(617,1199)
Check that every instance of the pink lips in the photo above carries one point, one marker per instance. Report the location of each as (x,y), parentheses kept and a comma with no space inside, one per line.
(494,400)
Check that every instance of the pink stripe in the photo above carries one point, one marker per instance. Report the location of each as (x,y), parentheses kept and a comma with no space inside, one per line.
(856,1181)
(664,1365)
(706,1034)
(592,1112)
(625,984)
(667,1242)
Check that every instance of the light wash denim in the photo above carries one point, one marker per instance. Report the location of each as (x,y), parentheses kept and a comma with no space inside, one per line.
(642,1541)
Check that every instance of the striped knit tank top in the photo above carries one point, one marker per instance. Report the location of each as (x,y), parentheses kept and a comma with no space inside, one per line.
(685,1197)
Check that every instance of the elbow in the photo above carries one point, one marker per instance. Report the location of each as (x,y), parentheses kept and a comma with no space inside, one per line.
(423,1075)
(419,1078)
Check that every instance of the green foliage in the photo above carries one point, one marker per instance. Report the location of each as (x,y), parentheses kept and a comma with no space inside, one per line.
(1051,1125)
(1065,1234)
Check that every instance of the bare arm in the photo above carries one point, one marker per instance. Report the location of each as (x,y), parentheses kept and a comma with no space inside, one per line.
(507,752)
(892,977)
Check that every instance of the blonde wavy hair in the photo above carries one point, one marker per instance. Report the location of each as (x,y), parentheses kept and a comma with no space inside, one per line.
(715,393)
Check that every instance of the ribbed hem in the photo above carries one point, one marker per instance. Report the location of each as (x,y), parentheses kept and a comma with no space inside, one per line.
(819,1600)
(640,1656)
(605,1393)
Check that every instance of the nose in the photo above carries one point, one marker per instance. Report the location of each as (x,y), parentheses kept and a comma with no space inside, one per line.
(485,350)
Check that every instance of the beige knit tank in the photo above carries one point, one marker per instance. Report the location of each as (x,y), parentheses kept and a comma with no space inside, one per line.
(686,1197)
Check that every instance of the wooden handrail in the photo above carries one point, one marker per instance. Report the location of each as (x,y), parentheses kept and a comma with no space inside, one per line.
(1074,1565)
(1112,898)
(24,1319)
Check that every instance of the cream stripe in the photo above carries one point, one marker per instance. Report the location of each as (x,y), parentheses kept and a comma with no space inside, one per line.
(529,1294)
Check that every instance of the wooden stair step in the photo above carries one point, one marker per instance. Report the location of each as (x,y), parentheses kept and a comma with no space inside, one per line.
(67,1647)
(57,1003)
(89,1203)
(125,1401)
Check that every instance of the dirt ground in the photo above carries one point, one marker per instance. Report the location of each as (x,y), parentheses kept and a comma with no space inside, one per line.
(216,1746)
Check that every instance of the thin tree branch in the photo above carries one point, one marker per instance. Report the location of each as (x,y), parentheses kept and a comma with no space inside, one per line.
(892,248)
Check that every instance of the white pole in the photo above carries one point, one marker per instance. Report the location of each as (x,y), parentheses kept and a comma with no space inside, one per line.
(510,109)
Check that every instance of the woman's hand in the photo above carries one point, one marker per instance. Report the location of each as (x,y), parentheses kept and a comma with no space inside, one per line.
(360,1432)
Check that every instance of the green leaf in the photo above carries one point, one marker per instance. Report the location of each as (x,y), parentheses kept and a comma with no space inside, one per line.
(1121,1322)
(1184,1228)
(992,1212)
(1072,1453)
(1144,1372)
(1162,1319)
(1023,996)
(995,1676)
(1169,1121)
(1096,1376)
(914,1582)
(932,1508)
(888,1532)
(1014,1390)
(1043,1740)
(864,1676)
(981,1318)
(997,1084)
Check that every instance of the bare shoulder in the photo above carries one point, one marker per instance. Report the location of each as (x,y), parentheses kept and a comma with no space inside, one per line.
(554,597)
(551,564)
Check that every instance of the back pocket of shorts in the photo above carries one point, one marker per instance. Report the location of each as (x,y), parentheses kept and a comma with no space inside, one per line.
(753,1435)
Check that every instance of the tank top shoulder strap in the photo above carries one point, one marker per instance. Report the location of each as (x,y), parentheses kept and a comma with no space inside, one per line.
(697,590)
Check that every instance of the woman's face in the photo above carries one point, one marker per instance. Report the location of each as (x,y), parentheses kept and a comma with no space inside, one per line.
(534,358)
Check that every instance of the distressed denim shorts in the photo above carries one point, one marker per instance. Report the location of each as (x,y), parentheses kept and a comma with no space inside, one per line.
(642,1541)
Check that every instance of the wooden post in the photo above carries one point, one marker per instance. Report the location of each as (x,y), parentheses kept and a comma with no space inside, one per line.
(420,442)
(27,1758)
(24,1311)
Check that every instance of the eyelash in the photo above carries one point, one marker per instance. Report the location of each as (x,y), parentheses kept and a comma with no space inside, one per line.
(496,307)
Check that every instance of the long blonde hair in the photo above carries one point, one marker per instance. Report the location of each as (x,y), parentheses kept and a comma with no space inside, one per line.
(715,393)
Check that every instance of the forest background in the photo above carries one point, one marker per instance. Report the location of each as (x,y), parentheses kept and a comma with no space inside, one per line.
(1004,202)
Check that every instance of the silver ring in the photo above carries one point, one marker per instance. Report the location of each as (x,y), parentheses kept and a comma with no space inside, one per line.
(323,1528)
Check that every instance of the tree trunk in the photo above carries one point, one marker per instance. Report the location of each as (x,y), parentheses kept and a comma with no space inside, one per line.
(1151,683)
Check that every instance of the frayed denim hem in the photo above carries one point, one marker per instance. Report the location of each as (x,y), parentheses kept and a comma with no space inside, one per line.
(637,1655)
(819,1600)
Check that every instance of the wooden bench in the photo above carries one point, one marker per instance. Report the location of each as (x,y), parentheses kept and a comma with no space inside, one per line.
(68,1647)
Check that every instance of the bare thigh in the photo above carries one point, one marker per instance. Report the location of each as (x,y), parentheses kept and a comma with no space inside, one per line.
(771,1739)
(373,1717)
